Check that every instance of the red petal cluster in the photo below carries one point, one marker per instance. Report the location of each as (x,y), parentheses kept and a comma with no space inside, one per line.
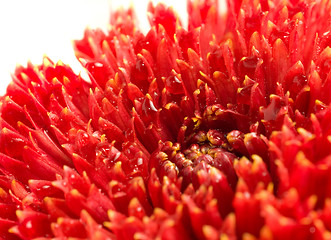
(218,131)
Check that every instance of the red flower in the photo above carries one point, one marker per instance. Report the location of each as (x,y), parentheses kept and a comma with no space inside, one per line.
(218,131)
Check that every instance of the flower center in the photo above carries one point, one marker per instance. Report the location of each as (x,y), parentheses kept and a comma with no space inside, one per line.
(206,150)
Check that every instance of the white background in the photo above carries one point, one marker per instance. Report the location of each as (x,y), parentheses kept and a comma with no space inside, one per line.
(30,29)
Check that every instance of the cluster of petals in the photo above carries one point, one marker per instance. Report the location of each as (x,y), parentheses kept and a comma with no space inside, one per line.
(217,130)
